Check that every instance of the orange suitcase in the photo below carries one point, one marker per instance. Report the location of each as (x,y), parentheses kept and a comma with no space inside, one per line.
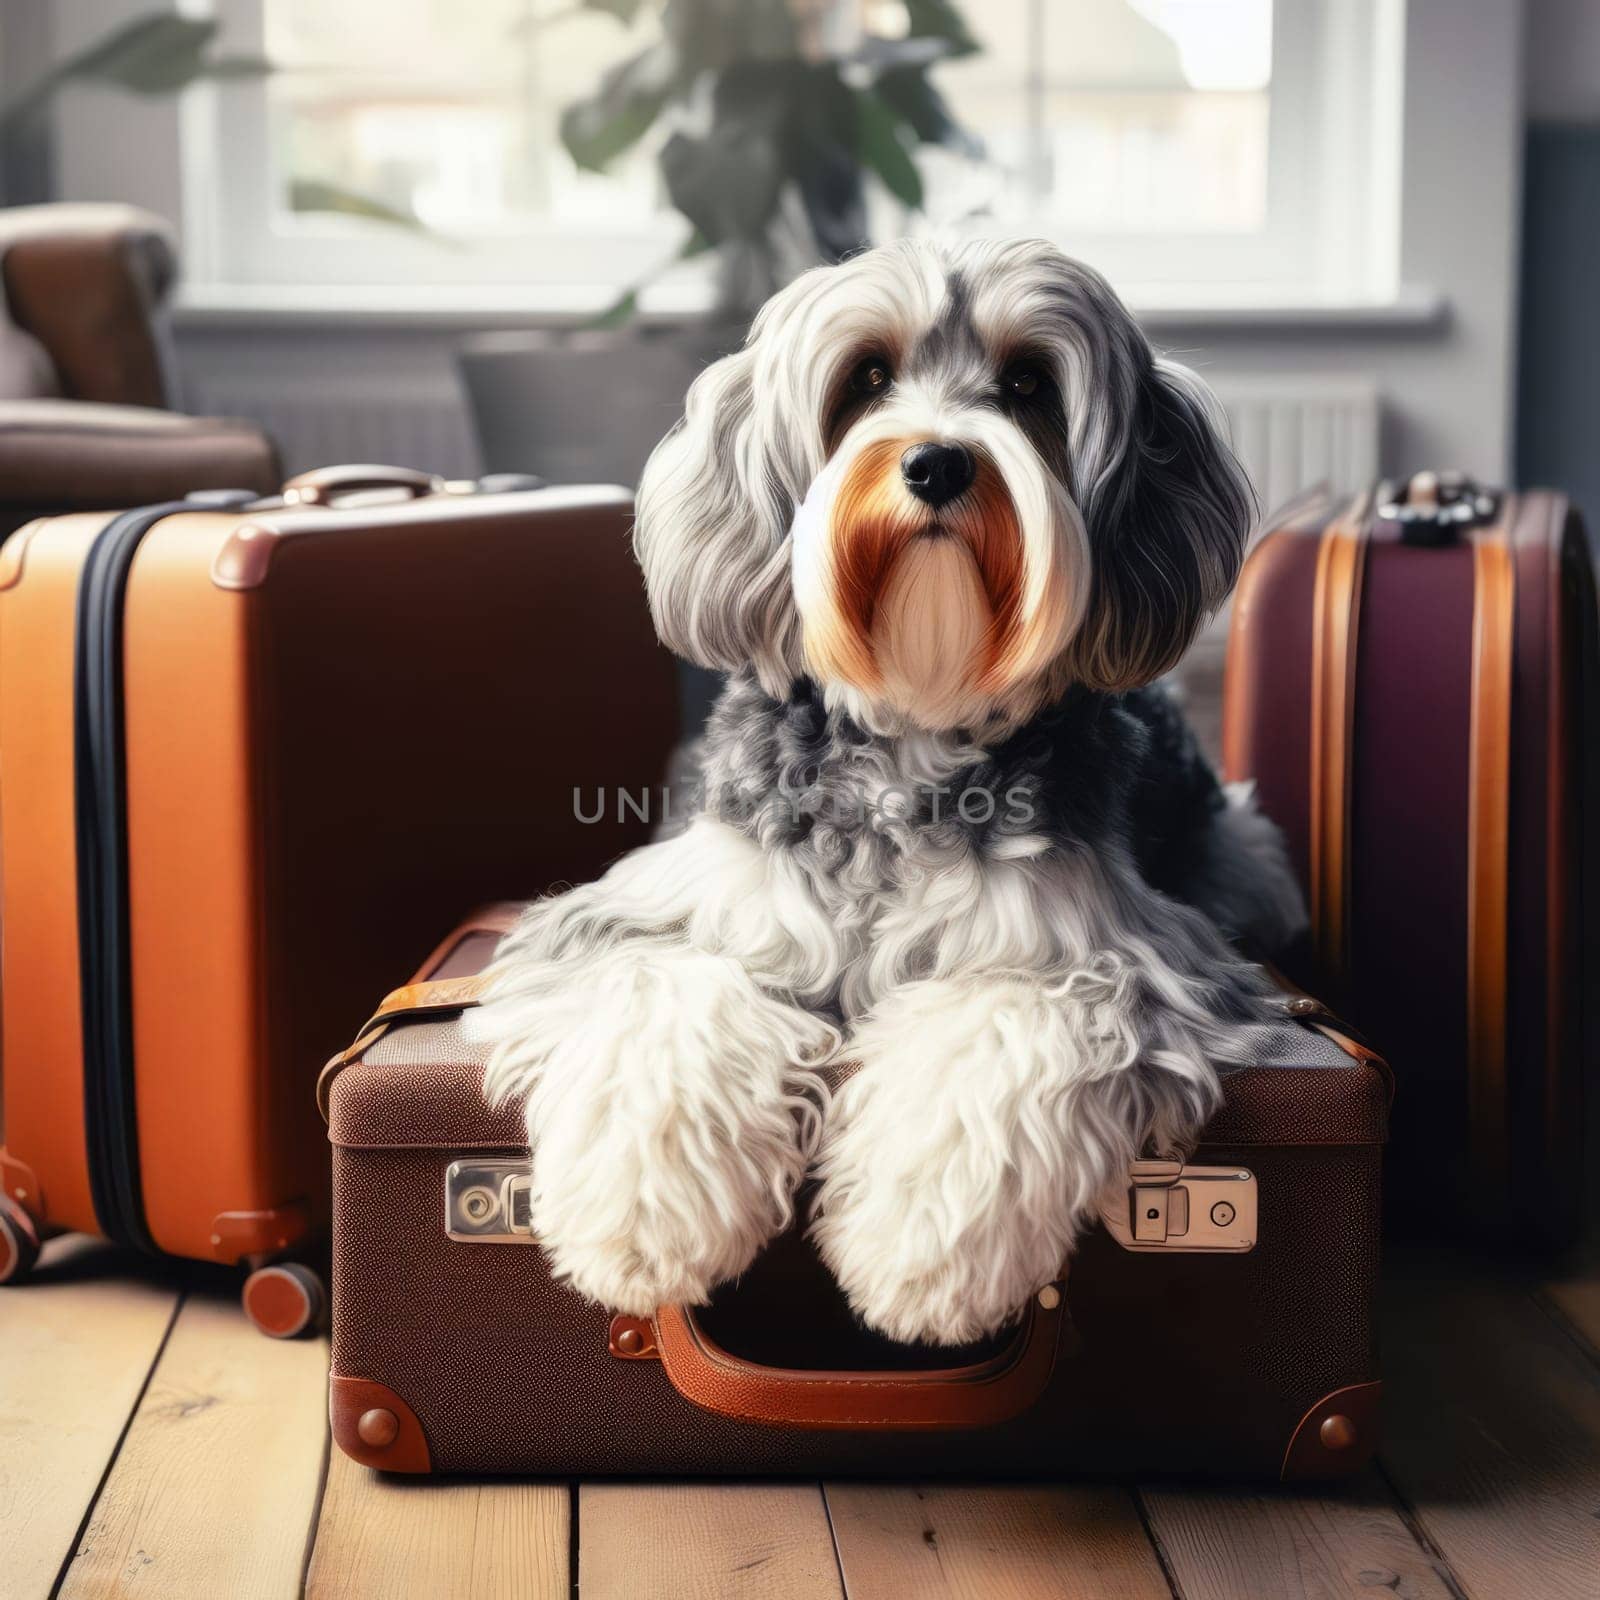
(252,756)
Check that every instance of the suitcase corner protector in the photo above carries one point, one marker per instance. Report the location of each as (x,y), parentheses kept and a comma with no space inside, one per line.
(1337,1436)
(375,1427)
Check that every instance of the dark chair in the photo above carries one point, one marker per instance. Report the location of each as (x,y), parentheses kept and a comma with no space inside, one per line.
(85,375)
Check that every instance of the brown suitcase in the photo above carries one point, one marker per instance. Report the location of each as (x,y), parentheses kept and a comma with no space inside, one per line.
(1221,1323)
(253,755)
(1411,685)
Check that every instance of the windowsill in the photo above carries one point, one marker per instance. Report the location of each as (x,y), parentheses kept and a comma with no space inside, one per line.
(450,308)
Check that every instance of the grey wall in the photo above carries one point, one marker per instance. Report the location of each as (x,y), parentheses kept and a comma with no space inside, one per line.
(25,155)
(1558,389)
(1558,415)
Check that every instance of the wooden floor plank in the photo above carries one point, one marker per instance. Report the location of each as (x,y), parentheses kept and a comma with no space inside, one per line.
(77,1342)
(1576,1297)
(1291,1544)
(217,1483)
(705,1542)
(992,1543)
(1492,1433)
(394,1538)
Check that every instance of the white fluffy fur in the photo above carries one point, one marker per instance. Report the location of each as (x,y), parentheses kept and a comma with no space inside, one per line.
(1061,1024)
(671,1093)
(979,1133)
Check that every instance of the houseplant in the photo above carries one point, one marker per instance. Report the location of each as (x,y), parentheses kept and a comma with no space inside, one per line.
(773,118)
(775,114)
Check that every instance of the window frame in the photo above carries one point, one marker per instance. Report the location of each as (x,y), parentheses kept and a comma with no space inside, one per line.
(1330,238)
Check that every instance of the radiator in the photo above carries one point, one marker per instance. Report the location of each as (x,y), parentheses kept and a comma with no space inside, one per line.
(1290,434)
(317,421)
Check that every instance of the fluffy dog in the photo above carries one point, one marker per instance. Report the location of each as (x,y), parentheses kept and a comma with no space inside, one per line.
(940,521)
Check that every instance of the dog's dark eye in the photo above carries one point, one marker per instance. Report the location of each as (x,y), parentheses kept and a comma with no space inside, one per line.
(1022,379)
(872,376)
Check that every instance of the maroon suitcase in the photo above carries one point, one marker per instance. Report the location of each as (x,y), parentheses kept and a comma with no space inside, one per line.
(1219,1323)
(1411,684)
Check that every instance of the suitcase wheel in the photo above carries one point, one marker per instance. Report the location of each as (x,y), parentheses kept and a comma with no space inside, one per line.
(285,1299)
(19,1241)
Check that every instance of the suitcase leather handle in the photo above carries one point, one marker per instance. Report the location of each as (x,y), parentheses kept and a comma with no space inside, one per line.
(956,1397)
(323,484)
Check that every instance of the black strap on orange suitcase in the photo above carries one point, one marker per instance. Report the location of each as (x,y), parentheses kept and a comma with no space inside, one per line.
(99,781)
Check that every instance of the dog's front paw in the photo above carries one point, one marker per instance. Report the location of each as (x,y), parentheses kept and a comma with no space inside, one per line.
(667,1116)
(960,1161)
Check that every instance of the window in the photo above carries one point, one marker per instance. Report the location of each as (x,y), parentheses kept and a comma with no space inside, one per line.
(1196,150)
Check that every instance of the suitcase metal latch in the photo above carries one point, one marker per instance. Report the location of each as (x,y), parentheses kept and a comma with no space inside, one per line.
(1433,508)
(1168,1206)
(488,1201)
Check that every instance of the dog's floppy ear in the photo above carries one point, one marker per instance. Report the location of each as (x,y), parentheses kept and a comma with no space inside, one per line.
(1167,527)
(712,532)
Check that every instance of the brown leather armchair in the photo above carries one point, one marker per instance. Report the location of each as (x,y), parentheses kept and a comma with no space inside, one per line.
(85,377)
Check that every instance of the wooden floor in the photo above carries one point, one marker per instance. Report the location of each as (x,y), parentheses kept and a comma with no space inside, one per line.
(152,1444)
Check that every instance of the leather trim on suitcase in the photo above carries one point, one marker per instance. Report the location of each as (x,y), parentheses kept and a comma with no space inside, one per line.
(1341,560)
(1337,1435)
(1488,854)
(426,994)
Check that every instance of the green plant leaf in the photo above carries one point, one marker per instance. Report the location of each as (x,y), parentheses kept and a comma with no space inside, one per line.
(882,151)
(621,310)
(315,194)
(911,97)
(616,116)
(154,54)
(237,67)
(151,55)
(942,19)
(623,10)
(878,56)
(727,183)
(713,35)
(819,155)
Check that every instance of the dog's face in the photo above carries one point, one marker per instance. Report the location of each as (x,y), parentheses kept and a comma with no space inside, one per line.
(945,483)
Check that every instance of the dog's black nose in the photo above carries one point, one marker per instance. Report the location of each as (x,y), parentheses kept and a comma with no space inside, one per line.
(936,473)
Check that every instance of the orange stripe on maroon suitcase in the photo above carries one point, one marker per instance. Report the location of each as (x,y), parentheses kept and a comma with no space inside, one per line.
(1341,560)
(1488,853)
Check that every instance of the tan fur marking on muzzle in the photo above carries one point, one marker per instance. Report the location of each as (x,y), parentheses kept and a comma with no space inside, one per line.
(986,519)
(874,519)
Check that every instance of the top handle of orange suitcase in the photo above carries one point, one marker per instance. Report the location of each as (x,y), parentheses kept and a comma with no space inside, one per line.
(323,485)
(974,1396)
